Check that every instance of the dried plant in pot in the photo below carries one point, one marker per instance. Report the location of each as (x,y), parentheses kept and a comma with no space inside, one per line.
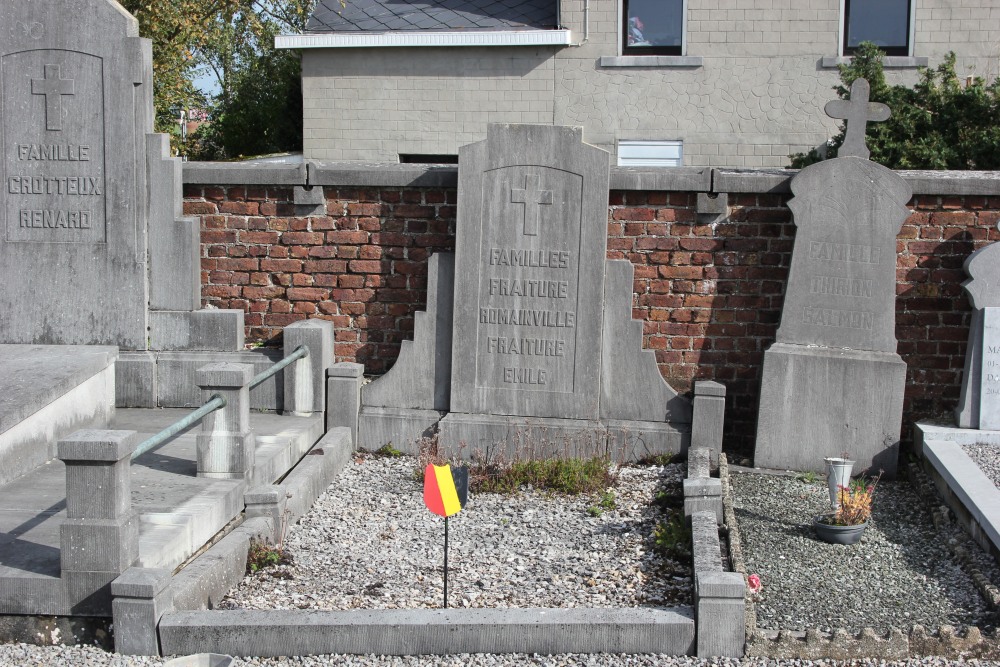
(847,524)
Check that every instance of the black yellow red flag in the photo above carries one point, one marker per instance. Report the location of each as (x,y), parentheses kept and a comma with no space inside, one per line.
(445,490)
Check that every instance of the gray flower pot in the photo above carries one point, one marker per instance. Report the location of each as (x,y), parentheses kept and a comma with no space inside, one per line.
(837,534)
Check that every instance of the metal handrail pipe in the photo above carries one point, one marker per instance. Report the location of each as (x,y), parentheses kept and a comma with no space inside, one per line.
(301,352)
(213,404)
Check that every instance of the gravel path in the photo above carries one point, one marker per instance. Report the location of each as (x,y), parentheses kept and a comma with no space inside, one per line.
(372,532)
(900,574)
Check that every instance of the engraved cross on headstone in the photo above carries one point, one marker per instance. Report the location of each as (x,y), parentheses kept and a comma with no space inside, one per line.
(53,87)
(532,198)
(857,111)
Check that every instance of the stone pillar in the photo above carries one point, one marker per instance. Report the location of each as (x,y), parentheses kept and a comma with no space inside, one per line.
(305,379)
(720,612)
(709,416)
(141,597)
(702,491)
(225,443)
(100,537)
(269,501)
(343,397)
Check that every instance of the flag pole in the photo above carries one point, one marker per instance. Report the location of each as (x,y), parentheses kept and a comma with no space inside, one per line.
(446,562)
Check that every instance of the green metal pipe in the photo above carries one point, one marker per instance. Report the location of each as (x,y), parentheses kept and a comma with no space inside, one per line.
(301,352)
(213,404)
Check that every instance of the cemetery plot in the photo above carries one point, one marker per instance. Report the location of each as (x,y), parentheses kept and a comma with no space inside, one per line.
(370,542)
(902,573)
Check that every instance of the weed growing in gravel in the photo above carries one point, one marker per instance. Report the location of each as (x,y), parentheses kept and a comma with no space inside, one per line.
(662,459)
(606,502)
(264,554)
(672,537)
(809,477)
(387,451)
(491,472)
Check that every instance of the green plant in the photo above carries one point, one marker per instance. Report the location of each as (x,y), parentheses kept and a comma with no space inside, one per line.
(809,477)
(262,555)
(855,503)
(571,476)
(942,122)
(662,459)
(606,502)
(672,536)
(387,451)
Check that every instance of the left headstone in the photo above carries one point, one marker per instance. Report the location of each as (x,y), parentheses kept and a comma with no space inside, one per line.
(74,111)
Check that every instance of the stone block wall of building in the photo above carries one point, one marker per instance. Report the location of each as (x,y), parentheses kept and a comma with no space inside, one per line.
(753,94)
(709,292)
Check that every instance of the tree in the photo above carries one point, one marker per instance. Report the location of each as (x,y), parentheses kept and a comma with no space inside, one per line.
(940,123)
(234,39)
(259,106)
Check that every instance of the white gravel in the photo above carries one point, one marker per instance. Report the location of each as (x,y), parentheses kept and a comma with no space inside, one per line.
(900,574)
(369,542)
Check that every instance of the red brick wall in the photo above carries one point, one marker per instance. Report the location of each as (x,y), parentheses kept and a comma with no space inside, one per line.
(710,295)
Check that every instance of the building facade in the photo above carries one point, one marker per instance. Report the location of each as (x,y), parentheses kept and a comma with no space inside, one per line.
(722,83)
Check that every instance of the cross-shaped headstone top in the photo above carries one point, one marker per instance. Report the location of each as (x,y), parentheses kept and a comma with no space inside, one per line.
(858,112)
(532,198)
(53,87)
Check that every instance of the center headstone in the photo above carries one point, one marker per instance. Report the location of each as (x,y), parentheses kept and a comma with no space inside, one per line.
(833,383)
(530,267)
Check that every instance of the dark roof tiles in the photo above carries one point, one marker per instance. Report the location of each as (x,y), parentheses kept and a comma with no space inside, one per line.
(393,15)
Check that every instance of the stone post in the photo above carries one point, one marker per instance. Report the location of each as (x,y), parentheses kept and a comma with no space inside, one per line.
(100,537)
(701,490)
(343,397)
(141,597)
(709,416)
(269,501)
(720,612)
(305,379)
(225,443)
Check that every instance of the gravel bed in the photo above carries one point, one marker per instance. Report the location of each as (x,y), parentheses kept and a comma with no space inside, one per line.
(901,573)
(369,542)
(21,655)
(987,457)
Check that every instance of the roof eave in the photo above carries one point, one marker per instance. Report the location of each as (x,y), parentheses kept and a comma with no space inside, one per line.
(335,40)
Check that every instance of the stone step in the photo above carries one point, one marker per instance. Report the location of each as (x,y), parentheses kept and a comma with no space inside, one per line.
(48,392)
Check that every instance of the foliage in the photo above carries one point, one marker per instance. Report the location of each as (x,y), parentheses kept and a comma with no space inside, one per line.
(570,476)
(262,555)
(940,123)
(672,536)
(260,102)
(855,503)
(606,502)
(808,477)
(387,451)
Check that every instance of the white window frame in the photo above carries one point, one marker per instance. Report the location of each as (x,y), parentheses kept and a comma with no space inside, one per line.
(649,147)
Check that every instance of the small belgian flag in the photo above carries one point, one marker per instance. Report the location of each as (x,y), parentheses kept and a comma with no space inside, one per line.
(445,490)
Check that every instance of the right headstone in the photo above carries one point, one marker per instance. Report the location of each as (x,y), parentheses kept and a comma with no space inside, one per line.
(833,383)
(979,404)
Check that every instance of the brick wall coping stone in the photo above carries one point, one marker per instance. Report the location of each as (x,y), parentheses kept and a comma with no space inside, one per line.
(244,173)
(923,182)
(680,179)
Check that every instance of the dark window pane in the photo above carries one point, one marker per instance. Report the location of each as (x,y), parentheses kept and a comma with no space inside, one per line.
(884,22)
(653,26)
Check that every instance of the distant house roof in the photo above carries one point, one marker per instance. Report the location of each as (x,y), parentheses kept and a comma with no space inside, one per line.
(430,15)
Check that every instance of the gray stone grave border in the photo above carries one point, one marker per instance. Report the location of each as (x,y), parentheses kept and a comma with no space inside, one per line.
(841,644)
(186,624)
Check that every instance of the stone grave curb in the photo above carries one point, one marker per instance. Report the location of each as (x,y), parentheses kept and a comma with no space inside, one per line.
(840,644)
(270,633)
(207,578)
(967,491)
